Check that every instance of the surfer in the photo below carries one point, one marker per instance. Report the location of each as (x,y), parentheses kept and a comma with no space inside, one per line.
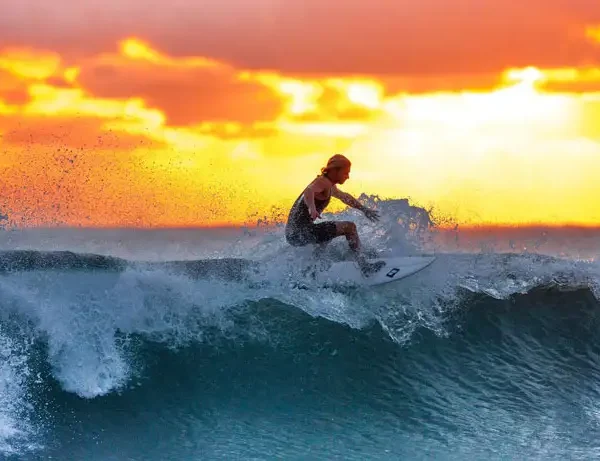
(301,230)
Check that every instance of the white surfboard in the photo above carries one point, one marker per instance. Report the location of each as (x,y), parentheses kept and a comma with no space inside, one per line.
(348,272)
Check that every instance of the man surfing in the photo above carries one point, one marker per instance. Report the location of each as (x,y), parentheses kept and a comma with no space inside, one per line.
(301,230)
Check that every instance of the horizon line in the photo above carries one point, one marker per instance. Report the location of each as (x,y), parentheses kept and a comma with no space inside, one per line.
(254,226)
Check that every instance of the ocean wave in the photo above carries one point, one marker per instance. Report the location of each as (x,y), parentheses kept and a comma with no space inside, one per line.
(105,328)
(78,327)
(33,260)
(82,303)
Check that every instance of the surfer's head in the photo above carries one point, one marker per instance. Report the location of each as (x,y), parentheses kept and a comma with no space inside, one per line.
(337,169)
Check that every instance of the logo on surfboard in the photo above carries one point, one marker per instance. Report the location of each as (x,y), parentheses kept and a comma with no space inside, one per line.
(392,272)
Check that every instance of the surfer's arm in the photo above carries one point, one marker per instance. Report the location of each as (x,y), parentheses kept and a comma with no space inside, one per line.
(349,200)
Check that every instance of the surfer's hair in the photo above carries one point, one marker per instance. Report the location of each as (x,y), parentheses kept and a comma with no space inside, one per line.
(335,162)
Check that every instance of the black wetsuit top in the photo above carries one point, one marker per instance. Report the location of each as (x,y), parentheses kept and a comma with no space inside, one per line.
(301,230)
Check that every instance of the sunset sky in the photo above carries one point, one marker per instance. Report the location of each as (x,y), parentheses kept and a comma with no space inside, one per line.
(187,113)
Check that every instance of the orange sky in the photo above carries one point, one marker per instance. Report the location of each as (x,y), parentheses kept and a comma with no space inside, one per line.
(142,114)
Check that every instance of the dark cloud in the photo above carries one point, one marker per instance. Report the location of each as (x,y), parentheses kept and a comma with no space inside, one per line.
(187,96)
(357,36)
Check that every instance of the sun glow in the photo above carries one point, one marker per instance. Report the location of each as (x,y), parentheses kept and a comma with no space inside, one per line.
(516,146)
(364,93)
(303,95)
(518,152)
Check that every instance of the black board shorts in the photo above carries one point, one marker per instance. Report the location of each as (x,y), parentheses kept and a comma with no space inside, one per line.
(313,233)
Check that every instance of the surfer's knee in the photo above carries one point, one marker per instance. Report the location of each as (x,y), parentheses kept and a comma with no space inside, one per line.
(346,228)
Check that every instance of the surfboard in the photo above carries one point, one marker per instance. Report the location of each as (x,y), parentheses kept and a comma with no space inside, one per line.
(397,268)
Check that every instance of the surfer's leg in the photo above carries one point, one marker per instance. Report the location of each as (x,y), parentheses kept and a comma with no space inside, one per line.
(300,237)
(323,233)
(348,229)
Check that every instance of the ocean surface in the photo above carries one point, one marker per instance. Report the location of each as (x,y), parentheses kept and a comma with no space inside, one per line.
(211,344)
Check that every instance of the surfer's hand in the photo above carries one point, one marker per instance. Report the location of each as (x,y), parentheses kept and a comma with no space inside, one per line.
(373,215)
(314,214)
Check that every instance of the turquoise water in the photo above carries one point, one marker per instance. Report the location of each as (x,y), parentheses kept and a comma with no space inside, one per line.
(481,355)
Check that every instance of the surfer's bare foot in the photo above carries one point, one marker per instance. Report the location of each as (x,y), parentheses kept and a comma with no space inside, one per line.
(368,269)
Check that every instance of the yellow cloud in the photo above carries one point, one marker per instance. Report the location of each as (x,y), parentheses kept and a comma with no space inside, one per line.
(303,95)
(573,75)
(6,109)
(29,65)
(593,33)
(136,49)
(529,76)
(365,93)
(48,100)
(556,80)
(70,74)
